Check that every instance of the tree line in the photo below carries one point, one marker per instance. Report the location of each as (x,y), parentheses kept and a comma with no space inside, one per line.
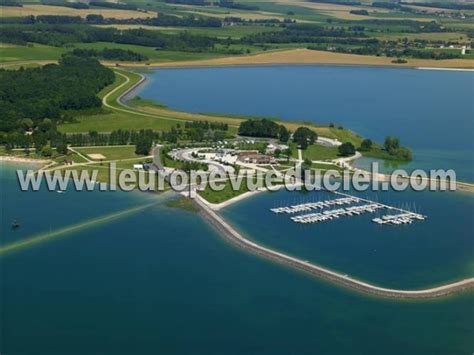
(190,20)
(264,128)
(60,35)
(110,54)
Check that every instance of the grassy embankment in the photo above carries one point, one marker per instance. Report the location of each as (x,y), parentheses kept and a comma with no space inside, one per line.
(226,194)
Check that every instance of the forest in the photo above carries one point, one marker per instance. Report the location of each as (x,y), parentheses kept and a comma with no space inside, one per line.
(27,96)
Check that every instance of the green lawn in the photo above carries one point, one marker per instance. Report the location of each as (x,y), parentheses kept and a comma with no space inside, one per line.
(234,32)
(112,120)
(316,152)
(226,194)
(116,120)
(111,152)
(325,167)
(345,135)
(13,53)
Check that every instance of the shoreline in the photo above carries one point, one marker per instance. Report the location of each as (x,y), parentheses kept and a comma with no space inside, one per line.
(230,234)
(159,66)
(20,160)
(302,56)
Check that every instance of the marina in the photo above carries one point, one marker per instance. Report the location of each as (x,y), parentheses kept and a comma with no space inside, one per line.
(402,217)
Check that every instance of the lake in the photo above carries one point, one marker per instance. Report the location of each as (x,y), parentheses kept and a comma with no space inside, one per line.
(163,281)
(431,111)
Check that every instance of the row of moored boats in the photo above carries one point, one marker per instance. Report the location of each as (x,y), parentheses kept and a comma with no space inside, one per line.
(397,219)
(336,213)
(304,207)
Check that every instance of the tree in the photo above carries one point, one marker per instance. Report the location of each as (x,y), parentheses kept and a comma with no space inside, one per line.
(402,153)
(40,140)
(303,136)
(284,134)
(46,151)
(45,125)
(288,153)
(391,143)
(26,123)
(305,166)
(143,146)
(61,147)
(27,149)
(259,128)
(366,145)
(346,149)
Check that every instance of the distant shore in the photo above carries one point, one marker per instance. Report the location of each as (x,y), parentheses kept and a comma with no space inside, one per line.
(286,57)
(307,56)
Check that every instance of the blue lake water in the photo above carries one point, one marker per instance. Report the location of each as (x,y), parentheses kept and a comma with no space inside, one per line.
(431,111)
(162,281)
(423,254)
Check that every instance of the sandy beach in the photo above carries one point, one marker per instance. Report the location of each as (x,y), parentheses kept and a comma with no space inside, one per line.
(21,160)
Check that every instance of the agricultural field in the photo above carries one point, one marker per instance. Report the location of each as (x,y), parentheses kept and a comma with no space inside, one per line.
(31,52)
(37,10)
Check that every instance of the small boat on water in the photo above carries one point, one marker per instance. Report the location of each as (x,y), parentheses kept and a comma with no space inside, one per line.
(15,224)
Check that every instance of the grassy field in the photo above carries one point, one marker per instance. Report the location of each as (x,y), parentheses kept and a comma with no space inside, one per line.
(76,158)
(428,36)
(325,167)
(318,152)
(35,10)
(11,53)
(221,32)
(112,120)
(111,152)
(226,194)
